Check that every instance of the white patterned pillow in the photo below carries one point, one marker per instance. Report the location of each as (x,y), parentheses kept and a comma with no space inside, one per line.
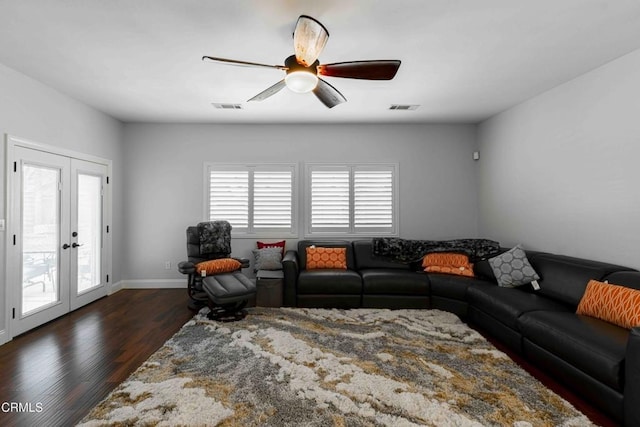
(512,268)
(267,259)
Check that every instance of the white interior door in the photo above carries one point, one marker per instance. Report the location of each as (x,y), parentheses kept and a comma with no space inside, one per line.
(58,257)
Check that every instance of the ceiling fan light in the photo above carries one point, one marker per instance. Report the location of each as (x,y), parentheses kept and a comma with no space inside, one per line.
(301,81)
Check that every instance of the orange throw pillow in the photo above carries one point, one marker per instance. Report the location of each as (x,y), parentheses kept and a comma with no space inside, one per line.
(321,258)
(215,266)
(448,263)
(612,303)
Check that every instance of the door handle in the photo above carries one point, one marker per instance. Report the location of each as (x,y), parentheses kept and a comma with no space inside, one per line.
(65,246)
(75,245)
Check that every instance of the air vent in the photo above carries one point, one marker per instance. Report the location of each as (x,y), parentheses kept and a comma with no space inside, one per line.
(403,107)
(227,106)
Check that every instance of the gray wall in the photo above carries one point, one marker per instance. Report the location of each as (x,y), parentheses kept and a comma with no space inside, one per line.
(164,176)
(33,111)
(560,172)
(556,173)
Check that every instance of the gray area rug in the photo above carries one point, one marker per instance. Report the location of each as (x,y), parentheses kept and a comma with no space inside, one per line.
(314,367)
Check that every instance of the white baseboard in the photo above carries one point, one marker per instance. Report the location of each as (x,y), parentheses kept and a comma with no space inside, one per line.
(4,337)
(153,284)
(115,288)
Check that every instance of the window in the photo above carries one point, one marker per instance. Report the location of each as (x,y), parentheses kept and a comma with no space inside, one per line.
(352,199)
(256,200)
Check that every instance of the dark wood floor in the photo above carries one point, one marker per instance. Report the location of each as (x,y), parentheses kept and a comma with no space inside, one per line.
(69,365)
(72,363)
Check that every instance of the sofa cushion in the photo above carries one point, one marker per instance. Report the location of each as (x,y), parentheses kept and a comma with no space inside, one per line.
(482,268)
(394,282)
(448,263)
(565,278)
(363,251)
(326,282)
(595,347)
(453,287)
(512,268)
(629,278)
(507,304)
(612,303)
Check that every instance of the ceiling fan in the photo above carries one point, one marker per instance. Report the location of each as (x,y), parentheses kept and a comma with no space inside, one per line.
(303,68)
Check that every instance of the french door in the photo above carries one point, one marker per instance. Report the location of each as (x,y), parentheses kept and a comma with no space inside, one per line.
(58,256)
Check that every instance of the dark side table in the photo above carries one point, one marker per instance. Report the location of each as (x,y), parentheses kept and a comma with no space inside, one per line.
(269,288)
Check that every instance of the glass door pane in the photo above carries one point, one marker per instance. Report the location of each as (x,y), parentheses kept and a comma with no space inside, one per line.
(41,237)
(88,279)
(89,232)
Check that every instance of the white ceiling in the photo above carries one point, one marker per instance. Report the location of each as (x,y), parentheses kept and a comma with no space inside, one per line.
(462,60)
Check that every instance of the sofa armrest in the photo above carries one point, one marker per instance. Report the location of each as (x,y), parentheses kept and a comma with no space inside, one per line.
(291,270)
(186,267)
(244,261)
(632,380)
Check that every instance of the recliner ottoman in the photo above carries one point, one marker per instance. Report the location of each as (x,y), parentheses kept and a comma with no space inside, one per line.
(228,295)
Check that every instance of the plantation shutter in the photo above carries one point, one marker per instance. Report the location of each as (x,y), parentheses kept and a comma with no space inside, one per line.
(352,199)
(330,200)
(255,199)
(272,200)
(373,200)
(229,197)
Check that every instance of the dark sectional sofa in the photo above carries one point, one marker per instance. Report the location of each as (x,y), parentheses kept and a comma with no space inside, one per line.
(598,360)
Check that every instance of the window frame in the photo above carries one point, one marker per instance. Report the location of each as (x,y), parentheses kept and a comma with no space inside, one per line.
(251,232)
(352,231)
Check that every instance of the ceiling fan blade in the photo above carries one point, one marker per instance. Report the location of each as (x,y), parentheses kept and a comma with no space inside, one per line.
(367,70)
(242,63)
(328,94)
(309,38)
(272,90)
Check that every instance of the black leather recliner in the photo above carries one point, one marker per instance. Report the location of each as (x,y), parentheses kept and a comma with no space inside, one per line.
(227,293)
